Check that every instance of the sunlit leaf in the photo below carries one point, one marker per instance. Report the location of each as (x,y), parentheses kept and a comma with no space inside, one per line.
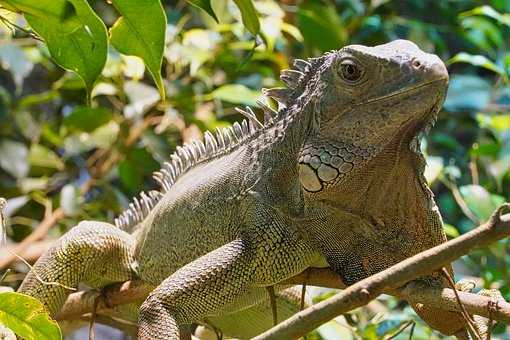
(14,158)
(140,31)
(14,59)
(433,168)
(235,93)
(489,12)
(450,230)
(27,317)
(133,67)
(249,16)
(141,98)
(477,60)
(103,89)
(498,123)
(83,50)
(102,137)
(69,199)
(43,157)
(206,6)
(481,202)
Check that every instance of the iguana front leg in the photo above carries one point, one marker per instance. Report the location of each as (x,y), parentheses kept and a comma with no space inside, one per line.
(200,288)
(93,253)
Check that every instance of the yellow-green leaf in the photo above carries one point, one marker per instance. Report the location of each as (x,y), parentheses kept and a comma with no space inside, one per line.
(140,31)
(27,317)
(43,157)
(235,93)
(249,16)
(81,50)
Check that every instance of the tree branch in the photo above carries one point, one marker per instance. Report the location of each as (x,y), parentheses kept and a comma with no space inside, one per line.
(391,279)
(39,233)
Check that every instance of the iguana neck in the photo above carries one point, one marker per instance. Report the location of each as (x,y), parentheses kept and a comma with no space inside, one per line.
(274,160)
(383,186)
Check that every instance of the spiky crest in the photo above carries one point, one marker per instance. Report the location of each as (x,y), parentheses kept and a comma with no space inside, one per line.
(225,140)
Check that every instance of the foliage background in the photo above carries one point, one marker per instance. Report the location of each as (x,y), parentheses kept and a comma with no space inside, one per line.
(57,154)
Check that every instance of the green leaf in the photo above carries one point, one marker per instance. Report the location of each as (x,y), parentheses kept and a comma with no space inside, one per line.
(82,50)
(497,123)
(321,26)
(44,157)
(235,93)
(27,317)
(249,16)
(450,230)
(134,167)
(477,60)
(87,118)
(102,137)
(140,31)
(490,12)
(205,5)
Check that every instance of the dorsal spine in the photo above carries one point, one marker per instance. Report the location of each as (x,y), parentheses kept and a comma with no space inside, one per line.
(223,141)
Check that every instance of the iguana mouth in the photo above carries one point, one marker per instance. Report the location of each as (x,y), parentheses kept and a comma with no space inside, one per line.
(400,92)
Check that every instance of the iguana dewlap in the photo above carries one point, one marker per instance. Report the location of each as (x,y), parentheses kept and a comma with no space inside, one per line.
(335,174)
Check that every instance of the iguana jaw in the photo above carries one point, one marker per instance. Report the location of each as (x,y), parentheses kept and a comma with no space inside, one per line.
(404,91)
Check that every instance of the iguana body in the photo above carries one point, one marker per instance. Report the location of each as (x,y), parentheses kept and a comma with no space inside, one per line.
(335,175)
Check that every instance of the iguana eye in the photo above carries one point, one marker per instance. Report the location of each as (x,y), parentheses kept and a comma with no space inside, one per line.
(350,71)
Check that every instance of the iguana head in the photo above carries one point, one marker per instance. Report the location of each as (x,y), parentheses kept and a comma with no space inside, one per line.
(366,97)
(374,93)
(352,103)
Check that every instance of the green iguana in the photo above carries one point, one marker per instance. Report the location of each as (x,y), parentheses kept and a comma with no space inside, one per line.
(334,177)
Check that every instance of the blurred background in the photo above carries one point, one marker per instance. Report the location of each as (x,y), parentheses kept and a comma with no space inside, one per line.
(62,162)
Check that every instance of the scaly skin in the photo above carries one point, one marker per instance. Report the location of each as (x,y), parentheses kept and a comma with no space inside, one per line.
(253,207)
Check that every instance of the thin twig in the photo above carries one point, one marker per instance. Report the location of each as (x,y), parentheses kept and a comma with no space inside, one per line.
(303,293)
(411,332)
(400,330)
(469,321)
(38,278)
(12,26)
(460,201)
(36,235)
(92,335)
